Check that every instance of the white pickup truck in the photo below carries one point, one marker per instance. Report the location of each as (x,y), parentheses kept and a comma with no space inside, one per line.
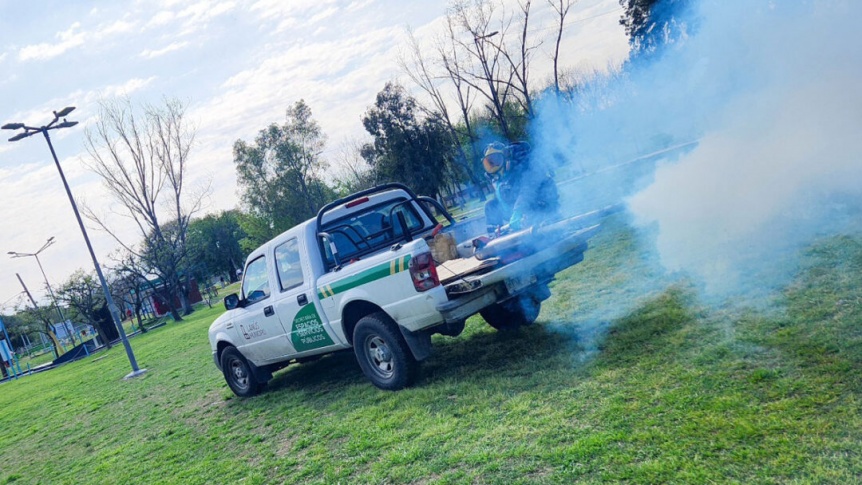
(375,271)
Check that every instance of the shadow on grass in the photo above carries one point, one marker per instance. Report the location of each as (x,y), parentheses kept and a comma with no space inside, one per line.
(482,356)
(647,331)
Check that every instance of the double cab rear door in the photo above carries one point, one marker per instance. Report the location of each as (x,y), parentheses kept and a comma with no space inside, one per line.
(281,319)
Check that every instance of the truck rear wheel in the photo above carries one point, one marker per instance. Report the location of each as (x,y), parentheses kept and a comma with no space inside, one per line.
(513,314)
(238,374)
(382,353)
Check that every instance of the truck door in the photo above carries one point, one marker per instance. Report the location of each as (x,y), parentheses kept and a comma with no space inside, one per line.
(296,305)
(260,331)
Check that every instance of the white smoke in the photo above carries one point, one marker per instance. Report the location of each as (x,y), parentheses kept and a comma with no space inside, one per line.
(771,93)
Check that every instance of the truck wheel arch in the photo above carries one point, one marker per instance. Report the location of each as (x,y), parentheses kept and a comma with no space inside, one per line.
(418,342)
(220,348)
(352,313)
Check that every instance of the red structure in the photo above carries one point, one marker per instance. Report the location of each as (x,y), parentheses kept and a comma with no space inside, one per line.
(159,303)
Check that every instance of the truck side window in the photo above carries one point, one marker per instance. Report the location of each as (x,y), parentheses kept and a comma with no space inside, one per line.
(255,284)
(410,216)
(287,262)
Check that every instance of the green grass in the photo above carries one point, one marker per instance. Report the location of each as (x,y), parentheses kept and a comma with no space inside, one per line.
(42,357)
(626,377)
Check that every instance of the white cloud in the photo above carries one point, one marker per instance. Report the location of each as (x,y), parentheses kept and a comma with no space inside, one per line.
(127,87)
(149,54)
(118,27)
(162,18)
(72,38)
(358,5)
(198,15)
(329,12)
(290,15)
(276,9)
(68,39)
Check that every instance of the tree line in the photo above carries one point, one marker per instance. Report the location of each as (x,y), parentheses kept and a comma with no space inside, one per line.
(476,79)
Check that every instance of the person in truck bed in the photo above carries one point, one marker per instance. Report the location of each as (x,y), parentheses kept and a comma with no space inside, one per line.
(525,193)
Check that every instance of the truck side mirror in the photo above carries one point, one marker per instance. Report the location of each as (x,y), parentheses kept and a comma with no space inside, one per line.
(231,301)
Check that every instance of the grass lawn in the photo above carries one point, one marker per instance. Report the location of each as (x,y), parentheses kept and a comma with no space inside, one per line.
(626,377)
(43,357)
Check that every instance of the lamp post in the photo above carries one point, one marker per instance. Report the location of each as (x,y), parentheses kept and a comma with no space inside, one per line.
(112,307)
(50,241)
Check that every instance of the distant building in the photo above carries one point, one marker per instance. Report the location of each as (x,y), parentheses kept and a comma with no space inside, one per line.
(61,330)
(155,296)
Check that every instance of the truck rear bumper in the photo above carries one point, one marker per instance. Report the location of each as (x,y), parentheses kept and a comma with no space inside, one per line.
(467,305)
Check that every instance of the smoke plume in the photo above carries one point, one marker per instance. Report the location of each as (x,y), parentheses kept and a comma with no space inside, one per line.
(752,119)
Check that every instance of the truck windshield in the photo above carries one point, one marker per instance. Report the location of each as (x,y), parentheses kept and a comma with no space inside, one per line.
(370,229)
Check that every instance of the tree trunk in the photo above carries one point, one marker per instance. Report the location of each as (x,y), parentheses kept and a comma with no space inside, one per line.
(138,317)
(184,290)
(102,334)
(172,291)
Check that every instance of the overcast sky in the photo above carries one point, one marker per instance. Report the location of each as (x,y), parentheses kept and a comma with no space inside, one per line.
(239,65)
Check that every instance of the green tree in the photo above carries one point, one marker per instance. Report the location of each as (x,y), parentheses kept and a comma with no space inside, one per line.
(214,244)
(128,287)
(407,147)
(29,319)
(651,23)
(280,173)
(82,295)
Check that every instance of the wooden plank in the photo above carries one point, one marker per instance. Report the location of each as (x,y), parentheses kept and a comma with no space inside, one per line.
(456,268)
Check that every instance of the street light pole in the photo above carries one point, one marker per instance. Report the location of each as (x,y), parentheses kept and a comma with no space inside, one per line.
(54,341)
(66,325)
(112,307)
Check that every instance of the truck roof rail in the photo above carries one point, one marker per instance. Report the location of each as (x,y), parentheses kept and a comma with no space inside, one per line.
(374,190)
(358,195)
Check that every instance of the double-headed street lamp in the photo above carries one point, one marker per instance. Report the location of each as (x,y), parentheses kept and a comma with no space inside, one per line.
(50,241)
(112,307)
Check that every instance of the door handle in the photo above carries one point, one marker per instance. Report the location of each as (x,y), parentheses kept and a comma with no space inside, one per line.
(268,311)
(302,300)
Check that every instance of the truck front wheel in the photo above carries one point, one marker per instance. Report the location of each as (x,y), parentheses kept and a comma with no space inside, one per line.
(513,314)
(238,374)
(382,353)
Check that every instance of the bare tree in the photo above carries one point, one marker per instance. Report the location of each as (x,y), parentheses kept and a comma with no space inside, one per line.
(448,53)
(352,172)
(142,160)
(489,77)
(420,72)
(519,60)
(562,8)
(492,65)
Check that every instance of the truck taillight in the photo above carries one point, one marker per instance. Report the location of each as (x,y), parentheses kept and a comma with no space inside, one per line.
(423,272)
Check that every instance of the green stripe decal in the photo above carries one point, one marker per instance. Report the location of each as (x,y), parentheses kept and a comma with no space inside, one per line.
(373,274)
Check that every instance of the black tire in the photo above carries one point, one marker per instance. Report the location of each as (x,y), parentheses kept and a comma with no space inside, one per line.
(513,314)
(238,374)
(383,354)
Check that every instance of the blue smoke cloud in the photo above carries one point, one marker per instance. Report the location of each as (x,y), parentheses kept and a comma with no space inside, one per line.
(751,118)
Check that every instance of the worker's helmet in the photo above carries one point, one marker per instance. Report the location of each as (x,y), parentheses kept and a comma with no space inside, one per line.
(495,158)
